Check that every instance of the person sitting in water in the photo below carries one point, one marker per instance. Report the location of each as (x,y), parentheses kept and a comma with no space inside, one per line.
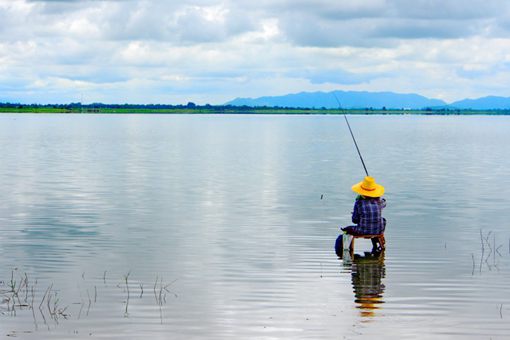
(367,213)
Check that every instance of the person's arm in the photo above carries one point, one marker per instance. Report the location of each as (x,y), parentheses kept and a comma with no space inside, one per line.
(355,212)
(383,203)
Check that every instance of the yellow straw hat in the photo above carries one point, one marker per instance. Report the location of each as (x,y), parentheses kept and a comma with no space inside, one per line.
(368,187)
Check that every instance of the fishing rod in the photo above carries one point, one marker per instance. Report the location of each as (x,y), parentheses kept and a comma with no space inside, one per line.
(352,135)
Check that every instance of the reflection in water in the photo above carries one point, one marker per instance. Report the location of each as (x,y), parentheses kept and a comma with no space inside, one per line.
(367,272)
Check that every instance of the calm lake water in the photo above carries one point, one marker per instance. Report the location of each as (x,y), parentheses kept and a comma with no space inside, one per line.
(213,227)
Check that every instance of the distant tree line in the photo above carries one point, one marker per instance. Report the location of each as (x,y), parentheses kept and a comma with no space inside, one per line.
(208,108)
(102,106)
(189,105)
(79,105)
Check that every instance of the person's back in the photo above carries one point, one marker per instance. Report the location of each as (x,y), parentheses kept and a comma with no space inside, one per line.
(367,214)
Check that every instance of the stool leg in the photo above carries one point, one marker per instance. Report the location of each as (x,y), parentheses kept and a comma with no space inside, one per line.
(374,242)
(382,241)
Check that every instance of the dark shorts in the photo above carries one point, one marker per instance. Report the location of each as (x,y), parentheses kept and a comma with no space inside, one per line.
(357,230)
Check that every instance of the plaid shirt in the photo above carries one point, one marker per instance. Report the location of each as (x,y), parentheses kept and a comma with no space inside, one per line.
(367,215)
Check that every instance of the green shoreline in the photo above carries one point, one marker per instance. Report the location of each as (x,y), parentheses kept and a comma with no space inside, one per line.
(237,110)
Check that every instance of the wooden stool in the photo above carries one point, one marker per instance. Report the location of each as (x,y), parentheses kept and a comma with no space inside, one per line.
(379,237)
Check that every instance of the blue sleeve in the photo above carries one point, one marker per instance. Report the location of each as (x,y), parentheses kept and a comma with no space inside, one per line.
(355,213)
(383,203)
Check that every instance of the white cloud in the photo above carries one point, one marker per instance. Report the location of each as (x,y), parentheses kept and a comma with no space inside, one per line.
(215,50)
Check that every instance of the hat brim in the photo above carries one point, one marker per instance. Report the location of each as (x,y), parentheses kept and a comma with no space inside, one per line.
(378,191)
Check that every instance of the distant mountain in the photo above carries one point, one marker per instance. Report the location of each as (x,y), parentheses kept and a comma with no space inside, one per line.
(348,100)
(484,103)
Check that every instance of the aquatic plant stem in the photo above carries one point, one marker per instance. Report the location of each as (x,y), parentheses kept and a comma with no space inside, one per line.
(126,277)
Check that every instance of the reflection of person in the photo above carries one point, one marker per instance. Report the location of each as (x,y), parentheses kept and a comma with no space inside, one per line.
(367,272)
(367,213)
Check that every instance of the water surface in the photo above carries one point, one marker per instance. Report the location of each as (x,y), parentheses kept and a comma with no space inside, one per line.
(189,226)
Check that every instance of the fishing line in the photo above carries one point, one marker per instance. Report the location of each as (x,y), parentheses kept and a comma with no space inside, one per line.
(352,135)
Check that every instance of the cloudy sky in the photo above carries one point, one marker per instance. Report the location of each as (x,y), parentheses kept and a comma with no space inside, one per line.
(211,51)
